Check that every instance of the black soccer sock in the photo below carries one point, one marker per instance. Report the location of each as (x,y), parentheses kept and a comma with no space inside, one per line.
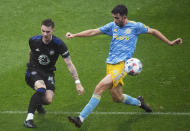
(36,99)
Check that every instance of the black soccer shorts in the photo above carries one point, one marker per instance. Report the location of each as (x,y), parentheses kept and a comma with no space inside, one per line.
(32,75)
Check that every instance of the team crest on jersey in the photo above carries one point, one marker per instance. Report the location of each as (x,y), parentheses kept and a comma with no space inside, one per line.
(52,52)
(128,31)
(43,59)
(115,30)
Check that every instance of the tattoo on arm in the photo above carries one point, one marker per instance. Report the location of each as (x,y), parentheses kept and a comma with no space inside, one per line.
(71,68)
(73,71)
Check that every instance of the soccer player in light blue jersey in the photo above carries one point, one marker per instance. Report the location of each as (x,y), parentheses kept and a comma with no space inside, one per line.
(124,35)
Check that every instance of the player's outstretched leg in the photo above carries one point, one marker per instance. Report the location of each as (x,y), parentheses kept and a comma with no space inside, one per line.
(144,105)
(95,99)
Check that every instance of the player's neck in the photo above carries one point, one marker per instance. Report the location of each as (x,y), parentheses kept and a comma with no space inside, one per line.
(46,42)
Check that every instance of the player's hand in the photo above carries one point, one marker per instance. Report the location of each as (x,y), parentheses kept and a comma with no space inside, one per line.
(80,89)
(69,35)
(178,41)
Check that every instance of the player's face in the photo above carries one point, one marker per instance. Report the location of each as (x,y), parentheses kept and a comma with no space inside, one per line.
(47,33)
(119,20)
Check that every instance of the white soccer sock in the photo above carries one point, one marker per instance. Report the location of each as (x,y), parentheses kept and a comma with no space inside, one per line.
(81,119)
(30,116)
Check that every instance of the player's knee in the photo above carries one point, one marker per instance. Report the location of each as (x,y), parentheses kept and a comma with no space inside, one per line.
(48,101)
(117,99)
(39,84)
(49,97)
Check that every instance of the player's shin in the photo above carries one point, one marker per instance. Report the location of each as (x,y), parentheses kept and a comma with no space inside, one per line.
(130,100)
(36,99)
(94,101)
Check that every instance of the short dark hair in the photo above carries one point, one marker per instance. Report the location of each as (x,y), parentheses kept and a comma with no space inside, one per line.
(48,23)
(120,9)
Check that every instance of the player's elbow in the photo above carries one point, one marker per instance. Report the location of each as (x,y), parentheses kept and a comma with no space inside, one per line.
(94,32)
(152,31)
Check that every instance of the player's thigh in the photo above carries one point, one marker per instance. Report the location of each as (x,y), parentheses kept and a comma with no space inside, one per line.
(47,81)
(104,84)
(116,93)
(34,79)
(50,81)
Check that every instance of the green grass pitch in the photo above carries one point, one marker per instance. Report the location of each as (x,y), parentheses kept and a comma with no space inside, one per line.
(164,81)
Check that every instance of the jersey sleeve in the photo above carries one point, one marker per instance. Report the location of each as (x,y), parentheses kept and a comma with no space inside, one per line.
(141,28)
(63,50)
(107,29)
(61,47)
(31,45)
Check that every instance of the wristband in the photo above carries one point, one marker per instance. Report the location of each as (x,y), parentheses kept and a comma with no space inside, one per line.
(77,81)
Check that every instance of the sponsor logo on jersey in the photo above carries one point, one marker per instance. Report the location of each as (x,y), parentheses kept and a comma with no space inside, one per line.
(43,59)
(120,37)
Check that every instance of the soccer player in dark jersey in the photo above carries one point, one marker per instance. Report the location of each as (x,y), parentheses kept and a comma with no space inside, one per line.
(44,52)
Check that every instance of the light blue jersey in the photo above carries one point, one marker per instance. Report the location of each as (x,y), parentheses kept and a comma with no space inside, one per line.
(124,40)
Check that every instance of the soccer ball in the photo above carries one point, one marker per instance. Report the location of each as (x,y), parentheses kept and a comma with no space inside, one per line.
(133,66)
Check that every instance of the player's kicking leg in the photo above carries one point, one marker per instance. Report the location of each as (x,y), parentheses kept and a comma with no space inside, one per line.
(118,96)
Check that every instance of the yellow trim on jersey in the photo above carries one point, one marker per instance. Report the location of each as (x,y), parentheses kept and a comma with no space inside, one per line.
(132,21)
(117,73)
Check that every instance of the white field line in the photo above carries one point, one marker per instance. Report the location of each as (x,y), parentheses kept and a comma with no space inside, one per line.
(106,113)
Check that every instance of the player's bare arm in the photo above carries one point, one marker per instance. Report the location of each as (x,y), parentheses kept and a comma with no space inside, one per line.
(159,35)
(86,33)
(74,74)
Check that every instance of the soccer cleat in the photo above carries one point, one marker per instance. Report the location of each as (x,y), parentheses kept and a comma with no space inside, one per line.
(29,124)
(41,110)
(75,120)
(144,105)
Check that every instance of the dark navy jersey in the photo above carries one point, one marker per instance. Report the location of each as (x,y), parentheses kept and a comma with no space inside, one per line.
(44,56)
